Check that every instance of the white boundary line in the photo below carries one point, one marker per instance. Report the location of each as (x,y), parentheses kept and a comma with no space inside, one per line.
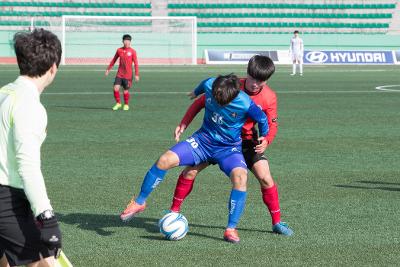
(184,93)
(385,88)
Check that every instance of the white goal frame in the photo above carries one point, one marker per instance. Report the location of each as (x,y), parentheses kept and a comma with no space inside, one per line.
(193,19)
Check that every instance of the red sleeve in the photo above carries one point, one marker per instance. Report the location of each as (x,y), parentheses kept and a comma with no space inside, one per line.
(192,111)
(135,62)
(113,61)
(272,114)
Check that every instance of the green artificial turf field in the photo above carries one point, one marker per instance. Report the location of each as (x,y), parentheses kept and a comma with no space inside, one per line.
(336,160)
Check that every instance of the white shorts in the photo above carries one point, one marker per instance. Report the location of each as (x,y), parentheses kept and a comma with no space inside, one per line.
(297,57)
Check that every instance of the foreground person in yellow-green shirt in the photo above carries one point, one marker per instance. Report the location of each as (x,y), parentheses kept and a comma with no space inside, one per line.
(29,231)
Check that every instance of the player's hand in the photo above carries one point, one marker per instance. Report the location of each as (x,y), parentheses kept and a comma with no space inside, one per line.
(107,72)
(50,233)
(262,146)
(191,95)
(137,78)
(178,131)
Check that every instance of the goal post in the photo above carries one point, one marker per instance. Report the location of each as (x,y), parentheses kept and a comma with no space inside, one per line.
(157,40)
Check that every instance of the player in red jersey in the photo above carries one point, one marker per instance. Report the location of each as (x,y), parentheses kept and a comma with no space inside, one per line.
(127,56)
(259,69)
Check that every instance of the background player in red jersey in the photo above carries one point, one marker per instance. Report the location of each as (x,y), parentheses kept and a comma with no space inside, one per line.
(259,70)
(127,56)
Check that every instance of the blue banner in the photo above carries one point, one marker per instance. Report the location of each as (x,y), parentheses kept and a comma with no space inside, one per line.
(398,56)
(232,56)
(348,57)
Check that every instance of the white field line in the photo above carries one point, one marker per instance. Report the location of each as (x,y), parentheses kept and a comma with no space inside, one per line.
(208,70)
(185,93)
(388,88)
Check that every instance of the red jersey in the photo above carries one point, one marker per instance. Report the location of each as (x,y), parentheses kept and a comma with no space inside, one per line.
(265,98)
(126,57)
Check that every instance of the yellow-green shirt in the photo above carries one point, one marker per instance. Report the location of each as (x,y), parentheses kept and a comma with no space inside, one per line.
(23,122)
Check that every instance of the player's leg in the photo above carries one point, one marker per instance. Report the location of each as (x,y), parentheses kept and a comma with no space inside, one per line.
(47,262)
(235,167)
(3,261)
(154,176)
(270,195)
(117,97)
(258,164)
(294,65)
(300,59)
(179,155)
(126,100)
(184,185)
(126,85)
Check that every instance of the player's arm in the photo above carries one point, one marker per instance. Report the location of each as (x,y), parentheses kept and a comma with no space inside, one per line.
(302,47)
(256,114)
(112,63)
(272,114)
(136,64)
(190,114)
(28,133)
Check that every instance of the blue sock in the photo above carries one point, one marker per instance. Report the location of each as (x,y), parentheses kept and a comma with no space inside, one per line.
(153,177)
(237,201)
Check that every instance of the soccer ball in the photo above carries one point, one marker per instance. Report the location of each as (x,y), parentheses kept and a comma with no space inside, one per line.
(173,226)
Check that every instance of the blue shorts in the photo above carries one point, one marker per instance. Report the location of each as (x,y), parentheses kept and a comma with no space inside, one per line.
(196,149)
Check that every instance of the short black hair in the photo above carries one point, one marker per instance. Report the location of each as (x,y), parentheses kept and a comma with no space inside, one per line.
(296,31)
(260,67)
(126,37)
(36,52)
(225,88)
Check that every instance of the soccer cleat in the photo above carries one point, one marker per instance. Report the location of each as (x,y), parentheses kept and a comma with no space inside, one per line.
(126,107)
(131,210)
(231,235)
(301,74)
(117,106)
(292,74)
(282,229)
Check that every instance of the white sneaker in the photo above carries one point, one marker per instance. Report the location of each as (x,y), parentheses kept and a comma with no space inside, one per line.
(301,74)
(292,74)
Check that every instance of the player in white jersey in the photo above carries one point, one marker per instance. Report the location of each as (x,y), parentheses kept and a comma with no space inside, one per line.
(296,50)
(29,231)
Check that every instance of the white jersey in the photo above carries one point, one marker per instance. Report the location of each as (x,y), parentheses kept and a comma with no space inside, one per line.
(23,122)
(296,46)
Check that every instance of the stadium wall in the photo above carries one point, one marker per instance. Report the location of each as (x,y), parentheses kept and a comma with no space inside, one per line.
(239,41)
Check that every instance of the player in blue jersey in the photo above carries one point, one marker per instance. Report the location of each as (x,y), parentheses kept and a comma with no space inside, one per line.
(217,141)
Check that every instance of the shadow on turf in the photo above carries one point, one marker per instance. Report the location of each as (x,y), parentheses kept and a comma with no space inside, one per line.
(98,223)
(377,185)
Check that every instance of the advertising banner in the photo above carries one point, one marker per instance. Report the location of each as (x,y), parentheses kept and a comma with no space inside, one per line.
(236,57)
(348,57)
(397,56)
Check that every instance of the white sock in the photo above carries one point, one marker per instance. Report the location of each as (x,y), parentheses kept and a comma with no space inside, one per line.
(301,68)
(294,68)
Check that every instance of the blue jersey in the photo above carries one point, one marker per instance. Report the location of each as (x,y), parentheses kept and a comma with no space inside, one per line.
(223,124)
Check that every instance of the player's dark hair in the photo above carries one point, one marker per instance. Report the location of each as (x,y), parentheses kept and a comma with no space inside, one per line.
(260,67)
(126,37)
(36,52)
(296,31)
(225,88)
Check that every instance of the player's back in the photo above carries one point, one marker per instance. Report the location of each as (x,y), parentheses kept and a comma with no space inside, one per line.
(224,123)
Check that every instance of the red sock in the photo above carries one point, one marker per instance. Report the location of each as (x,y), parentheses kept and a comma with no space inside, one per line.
(117,97)
(126,97)
(271,199)
(182,190)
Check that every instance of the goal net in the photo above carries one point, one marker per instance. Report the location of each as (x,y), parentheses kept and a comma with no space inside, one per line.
(157,40)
